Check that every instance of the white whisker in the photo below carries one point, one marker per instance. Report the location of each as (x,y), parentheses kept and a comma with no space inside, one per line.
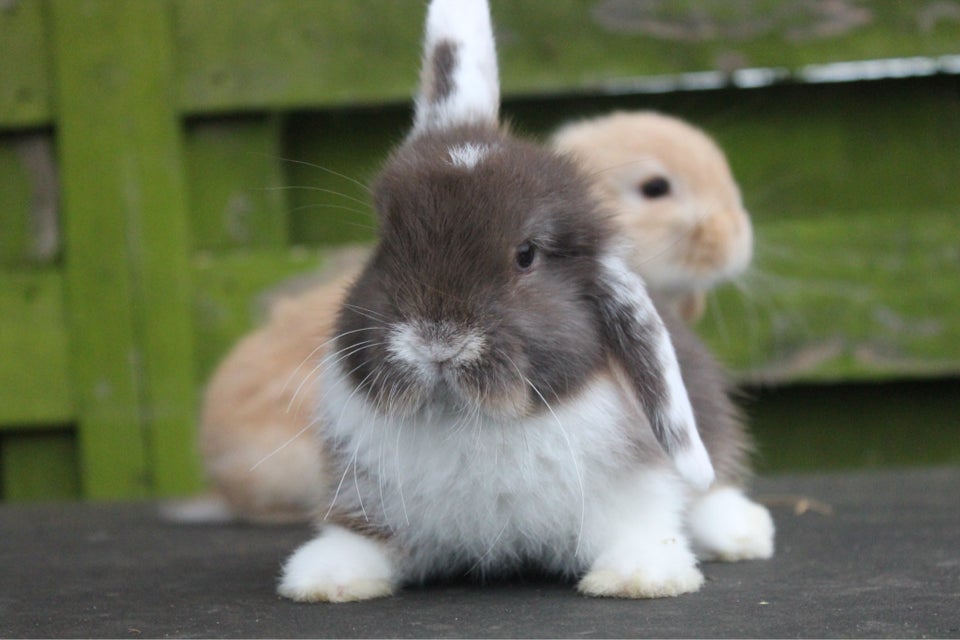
(353,460)
(316,350)
(342,207)
(286,444)
(324,169)
(370,314)
(344,353)
(333,192)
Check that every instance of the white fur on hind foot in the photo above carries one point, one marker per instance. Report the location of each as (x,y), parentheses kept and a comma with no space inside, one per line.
(338,566)
(726,525)
(660,570)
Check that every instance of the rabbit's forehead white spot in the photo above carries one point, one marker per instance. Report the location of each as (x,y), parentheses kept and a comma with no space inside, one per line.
(469,154)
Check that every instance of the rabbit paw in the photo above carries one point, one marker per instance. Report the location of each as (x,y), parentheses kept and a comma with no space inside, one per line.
(725,525)
(338,566)
(661,570)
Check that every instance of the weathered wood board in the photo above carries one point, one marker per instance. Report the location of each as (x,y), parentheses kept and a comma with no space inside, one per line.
(282,54)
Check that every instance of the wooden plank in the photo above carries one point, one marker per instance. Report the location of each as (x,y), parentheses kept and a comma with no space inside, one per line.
(255,54)
(34,384)
(25,84)
(818,426)
(289,53)
(127,274)
(857,297)
(96,162)
(282,54)
(237,196)
(39,466)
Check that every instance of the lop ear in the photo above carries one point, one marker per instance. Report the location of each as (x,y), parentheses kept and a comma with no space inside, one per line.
(637,337)
(459,84)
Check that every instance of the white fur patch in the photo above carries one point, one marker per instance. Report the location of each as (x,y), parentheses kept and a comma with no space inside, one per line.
(645,557)
(693,462)
(471,493)
(475,94)
(726,525)
(468,155)
(338,566)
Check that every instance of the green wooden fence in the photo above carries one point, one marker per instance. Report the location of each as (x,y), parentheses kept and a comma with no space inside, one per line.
(154,159)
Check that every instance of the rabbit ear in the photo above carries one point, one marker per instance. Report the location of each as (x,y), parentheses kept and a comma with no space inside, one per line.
(458,83)
(638,338)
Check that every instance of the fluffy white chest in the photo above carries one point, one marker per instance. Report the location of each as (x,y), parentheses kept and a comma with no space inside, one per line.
(474,492)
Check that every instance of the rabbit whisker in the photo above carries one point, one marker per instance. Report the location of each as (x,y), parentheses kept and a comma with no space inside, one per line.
(340,355)
(403,502)
(316,350)
(324,169)
(353,459)
(329,205)
(286,444)
(332,192)
(367,313)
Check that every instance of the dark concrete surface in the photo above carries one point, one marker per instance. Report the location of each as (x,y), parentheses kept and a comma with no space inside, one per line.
(867,554)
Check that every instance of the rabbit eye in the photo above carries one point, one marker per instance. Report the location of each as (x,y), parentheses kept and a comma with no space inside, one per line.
(655,187)
(526,253)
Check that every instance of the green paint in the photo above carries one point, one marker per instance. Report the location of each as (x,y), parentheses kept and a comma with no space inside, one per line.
(237,194)
(35,389)
(127,279)
(25,80)
(293,54)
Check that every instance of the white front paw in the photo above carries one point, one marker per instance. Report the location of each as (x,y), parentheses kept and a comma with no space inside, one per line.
(338,566)
(663,569)
(725,525)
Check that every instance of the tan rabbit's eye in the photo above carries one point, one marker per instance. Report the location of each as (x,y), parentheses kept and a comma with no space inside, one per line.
(656,187)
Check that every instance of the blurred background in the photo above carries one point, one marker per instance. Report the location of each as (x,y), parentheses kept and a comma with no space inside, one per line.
(166,164)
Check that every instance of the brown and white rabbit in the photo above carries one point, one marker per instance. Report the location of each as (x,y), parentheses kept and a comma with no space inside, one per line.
(675,196)
(672,195)
(501,391)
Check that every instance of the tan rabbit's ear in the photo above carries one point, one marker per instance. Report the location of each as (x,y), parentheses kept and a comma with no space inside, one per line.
(636,336)
(459,83)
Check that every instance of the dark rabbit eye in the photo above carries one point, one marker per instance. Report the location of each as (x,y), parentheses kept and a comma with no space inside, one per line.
(655,187)
(526,253)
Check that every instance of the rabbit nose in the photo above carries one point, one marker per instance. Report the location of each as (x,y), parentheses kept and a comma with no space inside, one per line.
(436,344)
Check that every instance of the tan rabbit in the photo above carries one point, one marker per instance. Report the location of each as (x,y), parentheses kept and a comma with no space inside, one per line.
(673,193)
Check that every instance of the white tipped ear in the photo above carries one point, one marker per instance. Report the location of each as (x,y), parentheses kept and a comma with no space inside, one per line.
(458,83)
(639,340)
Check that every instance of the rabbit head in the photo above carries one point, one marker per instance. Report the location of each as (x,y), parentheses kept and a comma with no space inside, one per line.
(673,193)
